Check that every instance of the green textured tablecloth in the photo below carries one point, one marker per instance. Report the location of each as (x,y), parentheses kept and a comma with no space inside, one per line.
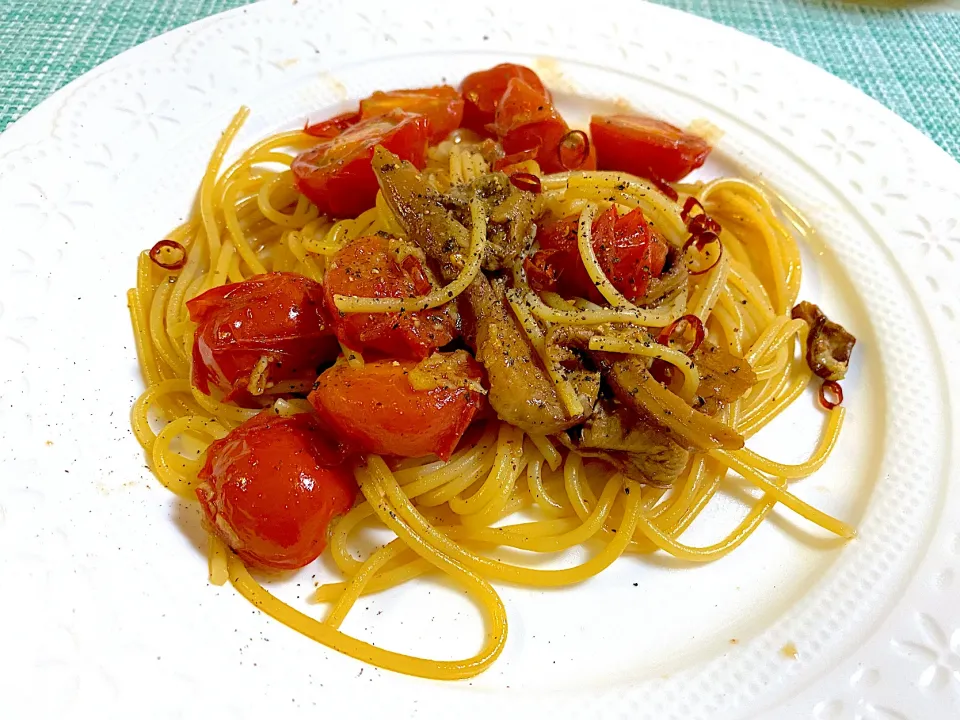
(907,59)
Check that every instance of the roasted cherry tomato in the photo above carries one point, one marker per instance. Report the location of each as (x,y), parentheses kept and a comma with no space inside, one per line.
(401,407)
(646,147)
(369,267)
(442,106)
(483,90)
(629,252)
(271,487)
(526,119)
(337,175)
(277,316)
(528,123)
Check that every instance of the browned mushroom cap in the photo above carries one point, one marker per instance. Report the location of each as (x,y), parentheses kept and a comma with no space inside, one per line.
(829,345)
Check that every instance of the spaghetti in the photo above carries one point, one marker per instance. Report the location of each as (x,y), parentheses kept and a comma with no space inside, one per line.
(447,516)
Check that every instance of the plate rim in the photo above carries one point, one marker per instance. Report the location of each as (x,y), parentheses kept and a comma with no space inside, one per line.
(25,125)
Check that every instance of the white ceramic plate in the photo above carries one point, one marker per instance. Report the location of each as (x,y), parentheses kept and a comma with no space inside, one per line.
(106,609)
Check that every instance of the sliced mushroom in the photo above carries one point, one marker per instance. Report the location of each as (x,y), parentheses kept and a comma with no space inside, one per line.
(521,391)
(639,449)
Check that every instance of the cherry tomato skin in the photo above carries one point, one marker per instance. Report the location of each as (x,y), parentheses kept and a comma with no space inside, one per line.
(376,409)
(633,233)
(337,175)
(270,488)
(332,127)
(483,90)
(441,105)
(557,266)
(280,315)
(646,147)
(523,104)
(561,235)
(367,268)
(543,270)
(628,250)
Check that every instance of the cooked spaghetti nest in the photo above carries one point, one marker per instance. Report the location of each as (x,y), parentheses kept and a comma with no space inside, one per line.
(509,488)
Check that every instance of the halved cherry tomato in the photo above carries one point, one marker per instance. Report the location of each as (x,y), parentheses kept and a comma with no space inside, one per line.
(270,488)
(377,409)
(523,104)
(482,92)
(332,127)
(629,252)
(279,316)
(556,266)
(646,147)
(368,267)
(526,120)
(632,252)
(337,175)
(442,106)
